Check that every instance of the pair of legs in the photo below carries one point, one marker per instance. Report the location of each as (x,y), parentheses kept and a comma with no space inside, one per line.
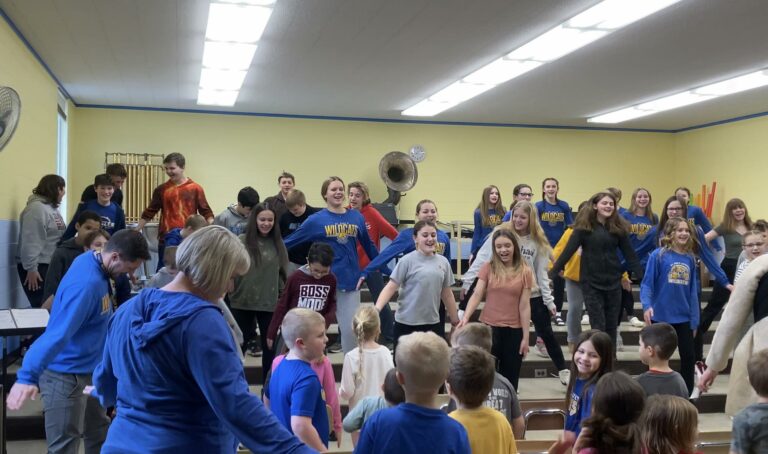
(402,329)
(375,283)
(685,346)
(558,289)
(506,349)
(575,310)
(247,321)
(70,414)
(718,299)
(603,307)
(35,297)
(347,302)
(542,322)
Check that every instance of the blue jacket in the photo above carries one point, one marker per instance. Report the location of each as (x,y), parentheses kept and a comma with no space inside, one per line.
(73,341)
(112,217)
(554,219)
(341,232)
(404,244)
(171,367)
(670,286)
(640,227)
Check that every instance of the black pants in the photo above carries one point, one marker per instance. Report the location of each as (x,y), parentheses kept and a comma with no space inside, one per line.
(403,330)
(627,304)
(506,349)
(718,299)
(35,297)
(375,283)
(542,321)
(685,348)
(558,290)
(603,307)
(247,321)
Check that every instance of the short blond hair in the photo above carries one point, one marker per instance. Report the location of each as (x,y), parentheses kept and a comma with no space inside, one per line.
(423,361)
(298,323)
(477,334)
(195,222)
(295,198)
(210,257)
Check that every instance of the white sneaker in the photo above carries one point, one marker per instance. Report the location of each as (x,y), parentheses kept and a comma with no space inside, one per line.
(565,376)
(541,349)
(637,323)
(585,319)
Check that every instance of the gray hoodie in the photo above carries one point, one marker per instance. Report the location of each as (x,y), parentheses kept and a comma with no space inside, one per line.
(232,220)
(530,252)
(41,227)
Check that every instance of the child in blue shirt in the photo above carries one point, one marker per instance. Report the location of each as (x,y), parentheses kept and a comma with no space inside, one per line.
(416,426)
(487,216)
(295,393)
(112,214)
(592,358)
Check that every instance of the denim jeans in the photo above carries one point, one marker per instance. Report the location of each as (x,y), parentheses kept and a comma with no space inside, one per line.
(347,302)
(575,310)
(70,414)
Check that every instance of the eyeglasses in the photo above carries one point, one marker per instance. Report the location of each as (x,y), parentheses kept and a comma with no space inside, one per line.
(751,245)
(525,194)
(674,209)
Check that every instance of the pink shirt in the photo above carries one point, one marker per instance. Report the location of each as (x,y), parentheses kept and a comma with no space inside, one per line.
(502,301)
(324,371)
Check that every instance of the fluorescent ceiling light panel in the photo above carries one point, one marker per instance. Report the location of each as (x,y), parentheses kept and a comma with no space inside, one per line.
(584,28)
(222,79)
(428,108)
(217,97)
(228,55)
(236,23)
(251,2)
(686,98)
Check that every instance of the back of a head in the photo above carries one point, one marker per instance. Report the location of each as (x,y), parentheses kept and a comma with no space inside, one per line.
(116,170)
(210,257)
(422,359)
(298,323)
(477,334)
(130,244)
(669,425)
(195,222)
(471,375)
(295,198)
(757,368)
(248,197)
(617,405)
(393,391)
(661,337)
(366,324)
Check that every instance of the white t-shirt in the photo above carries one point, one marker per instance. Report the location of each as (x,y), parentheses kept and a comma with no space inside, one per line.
(356,384)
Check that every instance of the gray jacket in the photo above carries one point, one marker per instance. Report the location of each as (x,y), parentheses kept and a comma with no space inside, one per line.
(41,226)
(232,220)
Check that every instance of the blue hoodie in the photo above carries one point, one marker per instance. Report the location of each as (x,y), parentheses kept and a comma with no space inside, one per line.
(670,286)
(171,368)
(73,341)
(482,231)
(554,219)
(341,232)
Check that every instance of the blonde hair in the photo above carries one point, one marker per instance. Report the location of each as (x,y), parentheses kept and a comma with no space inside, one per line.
(298,323)
(669,425)
(668,240)
(210,257)
(477,334)
(534,227)
(195,222)
(423,361)
(500,272)
(362,187)
(367,327)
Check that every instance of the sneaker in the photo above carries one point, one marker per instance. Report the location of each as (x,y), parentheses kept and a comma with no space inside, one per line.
(559,320)
(335,347)
(565,376)
(585,319)
(254,349)
(637,323)
(541,349)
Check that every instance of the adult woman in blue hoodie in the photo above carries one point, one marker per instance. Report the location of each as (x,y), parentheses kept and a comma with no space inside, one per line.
(171,367)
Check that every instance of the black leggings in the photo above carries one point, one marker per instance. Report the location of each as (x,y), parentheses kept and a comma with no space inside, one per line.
(558,290)
(506,349)
(718,299)
(402,329)
(542,321)
(603,307)
(247,321)
(686,349)
(35,297)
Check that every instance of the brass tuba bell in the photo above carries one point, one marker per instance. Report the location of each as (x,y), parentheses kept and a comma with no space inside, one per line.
(399,173)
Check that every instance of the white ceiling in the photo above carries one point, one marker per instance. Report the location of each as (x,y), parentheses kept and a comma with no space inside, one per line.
(374,58)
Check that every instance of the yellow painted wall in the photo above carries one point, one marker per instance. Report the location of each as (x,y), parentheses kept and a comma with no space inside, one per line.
(735,155)
(227,152)
(31,153)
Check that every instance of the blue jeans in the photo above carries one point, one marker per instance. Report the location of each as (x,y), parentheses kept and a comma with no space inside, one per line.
(70,414)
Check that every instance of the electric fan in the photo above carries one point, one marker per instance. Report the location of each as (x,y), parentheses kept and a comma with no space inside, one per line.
(10,108)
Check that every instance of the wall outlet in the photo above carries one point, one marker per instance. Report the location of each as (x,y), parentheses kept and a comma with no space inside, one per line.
(540,373)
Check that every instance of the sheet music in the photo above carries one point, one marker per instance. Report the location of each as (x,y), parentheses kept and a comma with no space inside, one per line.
(30,318)
(6,321)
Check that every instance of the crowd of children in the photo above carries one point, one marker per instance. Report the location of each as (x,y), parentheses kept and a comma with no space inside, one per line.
(306,266)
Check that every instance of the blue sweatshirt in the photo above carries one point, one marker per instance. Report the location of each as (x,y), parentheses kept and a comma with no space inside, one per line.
(639,229)
(670,287)
(481,230)
(73,341)
(171,367)
(697,215)
(404,244)
(341,232)
(554,219)
(112,217)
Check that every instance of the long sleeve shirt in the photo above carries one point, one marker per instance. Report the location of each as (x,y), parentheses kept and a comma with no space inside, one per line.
(177,203)
(377,227)
(554,218)
(404,244)
(303,290)
(670,287)
(112,217)
(482,230)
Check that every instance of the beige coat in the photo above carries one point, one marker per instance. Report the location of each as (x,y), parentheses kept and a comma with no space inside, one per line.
(740,304)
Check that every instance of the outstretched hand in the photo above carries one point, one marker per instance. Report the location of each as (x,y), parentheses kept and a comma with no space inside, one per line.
(19,394)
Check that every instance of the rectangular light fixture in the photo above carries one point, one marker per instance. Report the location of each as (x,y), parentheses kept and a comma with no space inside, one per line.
(686,98)
(235,56)
(217,97)
(222,79)
(580,30)
(236,23)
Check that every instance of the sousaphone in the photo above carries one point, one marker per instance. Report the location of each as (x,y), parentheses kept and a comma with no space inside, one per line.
(399,173)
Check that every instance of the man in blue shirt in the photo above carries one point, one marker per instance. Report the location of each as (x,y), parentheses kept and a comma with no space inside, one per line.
(61,361)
